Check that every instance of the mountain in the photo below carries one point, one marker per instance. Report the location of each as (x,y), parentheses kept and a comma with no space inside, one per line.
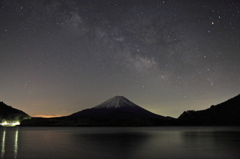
(226,113)
(116,102)
(118,111)
(9,114)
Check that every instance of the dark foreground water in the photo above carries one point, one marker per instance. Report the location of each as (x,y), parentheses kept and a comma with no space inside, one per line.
(120,143)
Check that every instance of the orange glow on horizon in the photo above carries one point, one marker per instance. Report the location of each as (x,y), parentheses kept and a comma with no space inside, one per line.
(48,116)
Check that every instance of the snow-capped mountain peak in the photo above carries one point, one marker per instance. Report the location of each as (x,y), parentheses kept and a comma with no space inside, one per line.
(116,102)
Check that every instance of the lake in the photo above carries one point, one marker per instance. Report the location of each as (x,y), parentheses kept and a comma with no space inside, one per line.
(120,143)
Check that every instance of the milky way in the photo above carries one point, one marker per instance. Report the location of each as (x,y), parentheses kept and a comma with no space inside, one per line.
(59,57)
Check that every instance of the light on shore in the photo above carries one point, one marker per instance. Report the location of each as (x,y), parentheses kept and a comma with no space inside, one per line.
(5,123)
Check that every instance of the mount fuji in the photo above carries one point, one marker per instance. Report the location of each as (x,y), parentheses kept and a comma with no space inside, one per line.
(119,111)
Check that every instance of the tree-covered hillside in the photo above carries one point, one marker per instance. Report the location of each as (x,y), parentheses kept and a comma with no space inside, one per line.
(9,114)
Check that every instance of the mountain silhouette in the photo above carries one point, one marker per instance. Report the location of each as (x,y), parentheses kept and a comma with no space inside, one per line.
(226,113)
(7,113)
(119,111)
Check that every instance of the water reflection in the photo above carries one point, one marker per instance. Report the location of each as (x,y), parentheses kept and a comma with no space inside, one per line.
(119,143)
(111,145)
(9,146)
(16,144)
(3,143)
(212,144)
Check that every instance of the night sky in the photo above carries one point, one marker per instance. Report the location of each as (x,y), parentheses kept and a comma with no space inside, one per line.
(58,57)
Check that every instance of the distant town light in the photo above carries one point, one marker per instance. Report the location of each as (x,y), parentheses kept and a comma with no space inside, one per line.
(5,123)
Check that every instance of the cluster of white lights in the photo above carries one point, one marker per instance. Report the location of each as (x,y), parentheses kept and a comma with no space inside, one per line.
(5,123)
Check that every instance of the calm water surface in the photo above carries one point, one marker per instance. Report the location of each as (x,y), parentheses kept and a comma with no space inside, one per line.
(120,143)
